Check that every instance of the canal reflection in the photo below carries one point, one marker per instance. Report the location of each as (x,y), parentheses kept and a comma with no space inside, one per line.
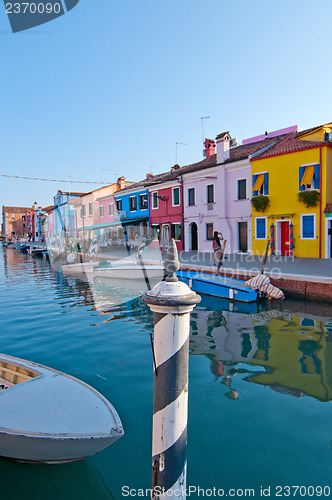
(289,351)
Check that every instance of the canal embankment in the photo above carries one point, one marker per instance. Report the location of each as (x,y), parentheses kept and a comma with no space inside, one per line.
(296,277)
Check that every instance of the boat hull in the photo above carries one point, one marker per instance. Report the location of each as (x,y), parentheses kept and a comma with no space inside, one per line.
(218,286)
(50,417)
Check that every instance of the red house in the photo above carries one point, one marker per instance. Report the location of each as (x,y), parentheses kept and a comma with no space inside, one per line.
(166,212)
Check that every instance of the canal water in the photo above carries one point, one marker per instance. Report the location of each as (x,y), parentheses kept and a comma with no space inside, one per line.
(260,387)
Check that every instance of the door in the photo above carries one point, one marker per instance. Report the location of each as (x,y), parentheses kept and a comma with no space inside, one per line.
(284,234)
(164,241)
(243,236)
(194,239)
(329,239)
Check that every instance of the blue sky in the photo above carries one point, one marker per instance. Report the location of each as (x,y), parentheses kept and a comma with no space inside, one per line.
(110,87)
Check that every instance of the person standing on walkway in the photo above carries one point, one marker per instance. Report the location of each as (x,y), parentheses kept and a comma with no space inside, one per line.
(216,245)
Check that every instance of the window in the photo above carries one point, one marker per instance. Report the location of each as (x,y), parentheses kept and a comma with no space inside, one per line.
(155,199)
(260,223)
(210,193)
(209,231)
(191,197)
(143,201)
(242,189)
(23,225)
(176,197)
(23,218)
(110,209)
(83,211)
(155,231)
(132,203)
(90,209)
(101,210)
(308,227)
(309,177)
(176,231)
(118,205)
(260,184)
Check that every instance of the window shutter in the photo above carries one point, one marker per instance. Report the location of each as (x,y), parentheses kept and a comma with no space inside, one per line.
(254,179)
(316,176)
(301,174)
(260,225)
(266,184)
(308,226)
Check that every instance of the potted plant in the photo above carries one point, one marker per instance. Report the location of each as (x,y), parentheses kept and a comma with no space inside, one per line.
(308,198)
(260,203)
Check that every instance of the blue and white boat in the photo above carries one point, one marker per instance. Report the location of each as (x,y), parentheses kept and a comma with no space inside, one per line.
(218,286)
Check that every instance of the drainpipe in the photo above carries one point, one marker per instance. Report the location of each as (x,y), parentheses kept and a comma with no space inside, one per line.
(320,202)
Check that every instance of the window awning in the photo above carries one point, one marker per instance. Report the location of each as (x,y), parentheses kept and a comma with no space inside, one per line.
(259,182)
(308,175)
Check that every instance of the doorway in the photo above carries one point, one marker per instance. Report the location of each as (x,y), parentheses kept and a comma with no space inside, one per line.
(329,238)
(193,236)
(284,238)
(243,236)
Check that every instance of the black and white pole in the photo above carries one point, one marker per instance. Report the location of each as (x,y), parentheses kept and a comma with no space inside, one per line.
(171,301)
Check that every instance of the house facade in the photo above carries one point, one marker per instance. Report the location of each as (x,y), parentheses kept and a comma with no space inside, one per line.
(14,222)
(295,177)
(166,214)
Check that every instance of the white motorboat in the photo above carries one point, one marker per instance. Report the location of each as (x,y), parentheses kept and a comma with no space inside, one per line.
(126,269)
(47,416)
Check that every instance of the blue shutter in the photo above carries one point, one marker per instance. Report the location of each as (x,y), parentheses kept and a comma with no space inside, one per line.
(308,226)
(301,174)
(254,179)
(327,137)
(260,228)
(266,184)
(316,176)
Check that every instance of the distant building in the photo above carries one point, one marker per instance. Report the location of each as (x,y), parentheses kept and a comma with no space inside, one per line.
(14,222)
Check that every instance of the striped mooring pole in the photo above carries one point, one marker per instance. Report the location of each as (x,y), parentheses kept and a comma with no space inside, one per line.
(291,239)
(171,301)
(272,239)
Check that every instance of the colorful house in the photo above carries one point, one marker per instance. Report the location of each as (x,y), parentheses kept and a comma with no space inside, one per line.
(132,212)
(294,178)
(88,211)
(166,208)
(14,222)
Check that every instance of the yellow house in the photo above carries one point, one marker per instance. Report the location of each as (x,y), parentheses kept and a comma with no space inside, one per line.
(297,164)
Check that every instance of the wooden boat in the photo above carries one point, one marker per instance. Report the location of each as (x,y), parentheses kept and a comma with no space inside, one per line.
(50,417)
(218,286)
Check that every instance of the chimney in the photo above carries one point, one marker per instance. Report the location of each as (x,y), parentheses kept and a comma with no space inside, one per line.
(122,182)
(223,146)
(210,148)
(176,167)
(149,176)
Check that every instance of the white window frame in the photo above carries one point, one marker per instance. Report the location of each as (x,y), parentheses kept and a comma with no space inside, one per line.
(90,211)
(260,239)
(237,189)
(152,204)
(130,198)
(139,201)
(176,224)
(315,232)
(214,194)
(101,210)
(111,209)
(259,173)
(173,190)
(188,189)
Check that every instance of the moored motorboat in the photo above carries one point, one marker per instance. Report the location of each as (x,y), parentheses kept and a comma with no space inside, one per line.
(51,417)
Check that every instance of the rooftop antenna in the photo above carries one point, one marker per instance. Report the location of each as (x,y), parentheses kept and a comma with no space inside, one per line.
(203,118)
(176,150)
(69,181)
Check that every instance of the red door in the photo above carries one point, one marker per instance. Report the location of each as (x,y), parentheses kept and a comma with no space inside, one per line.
(284,238)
